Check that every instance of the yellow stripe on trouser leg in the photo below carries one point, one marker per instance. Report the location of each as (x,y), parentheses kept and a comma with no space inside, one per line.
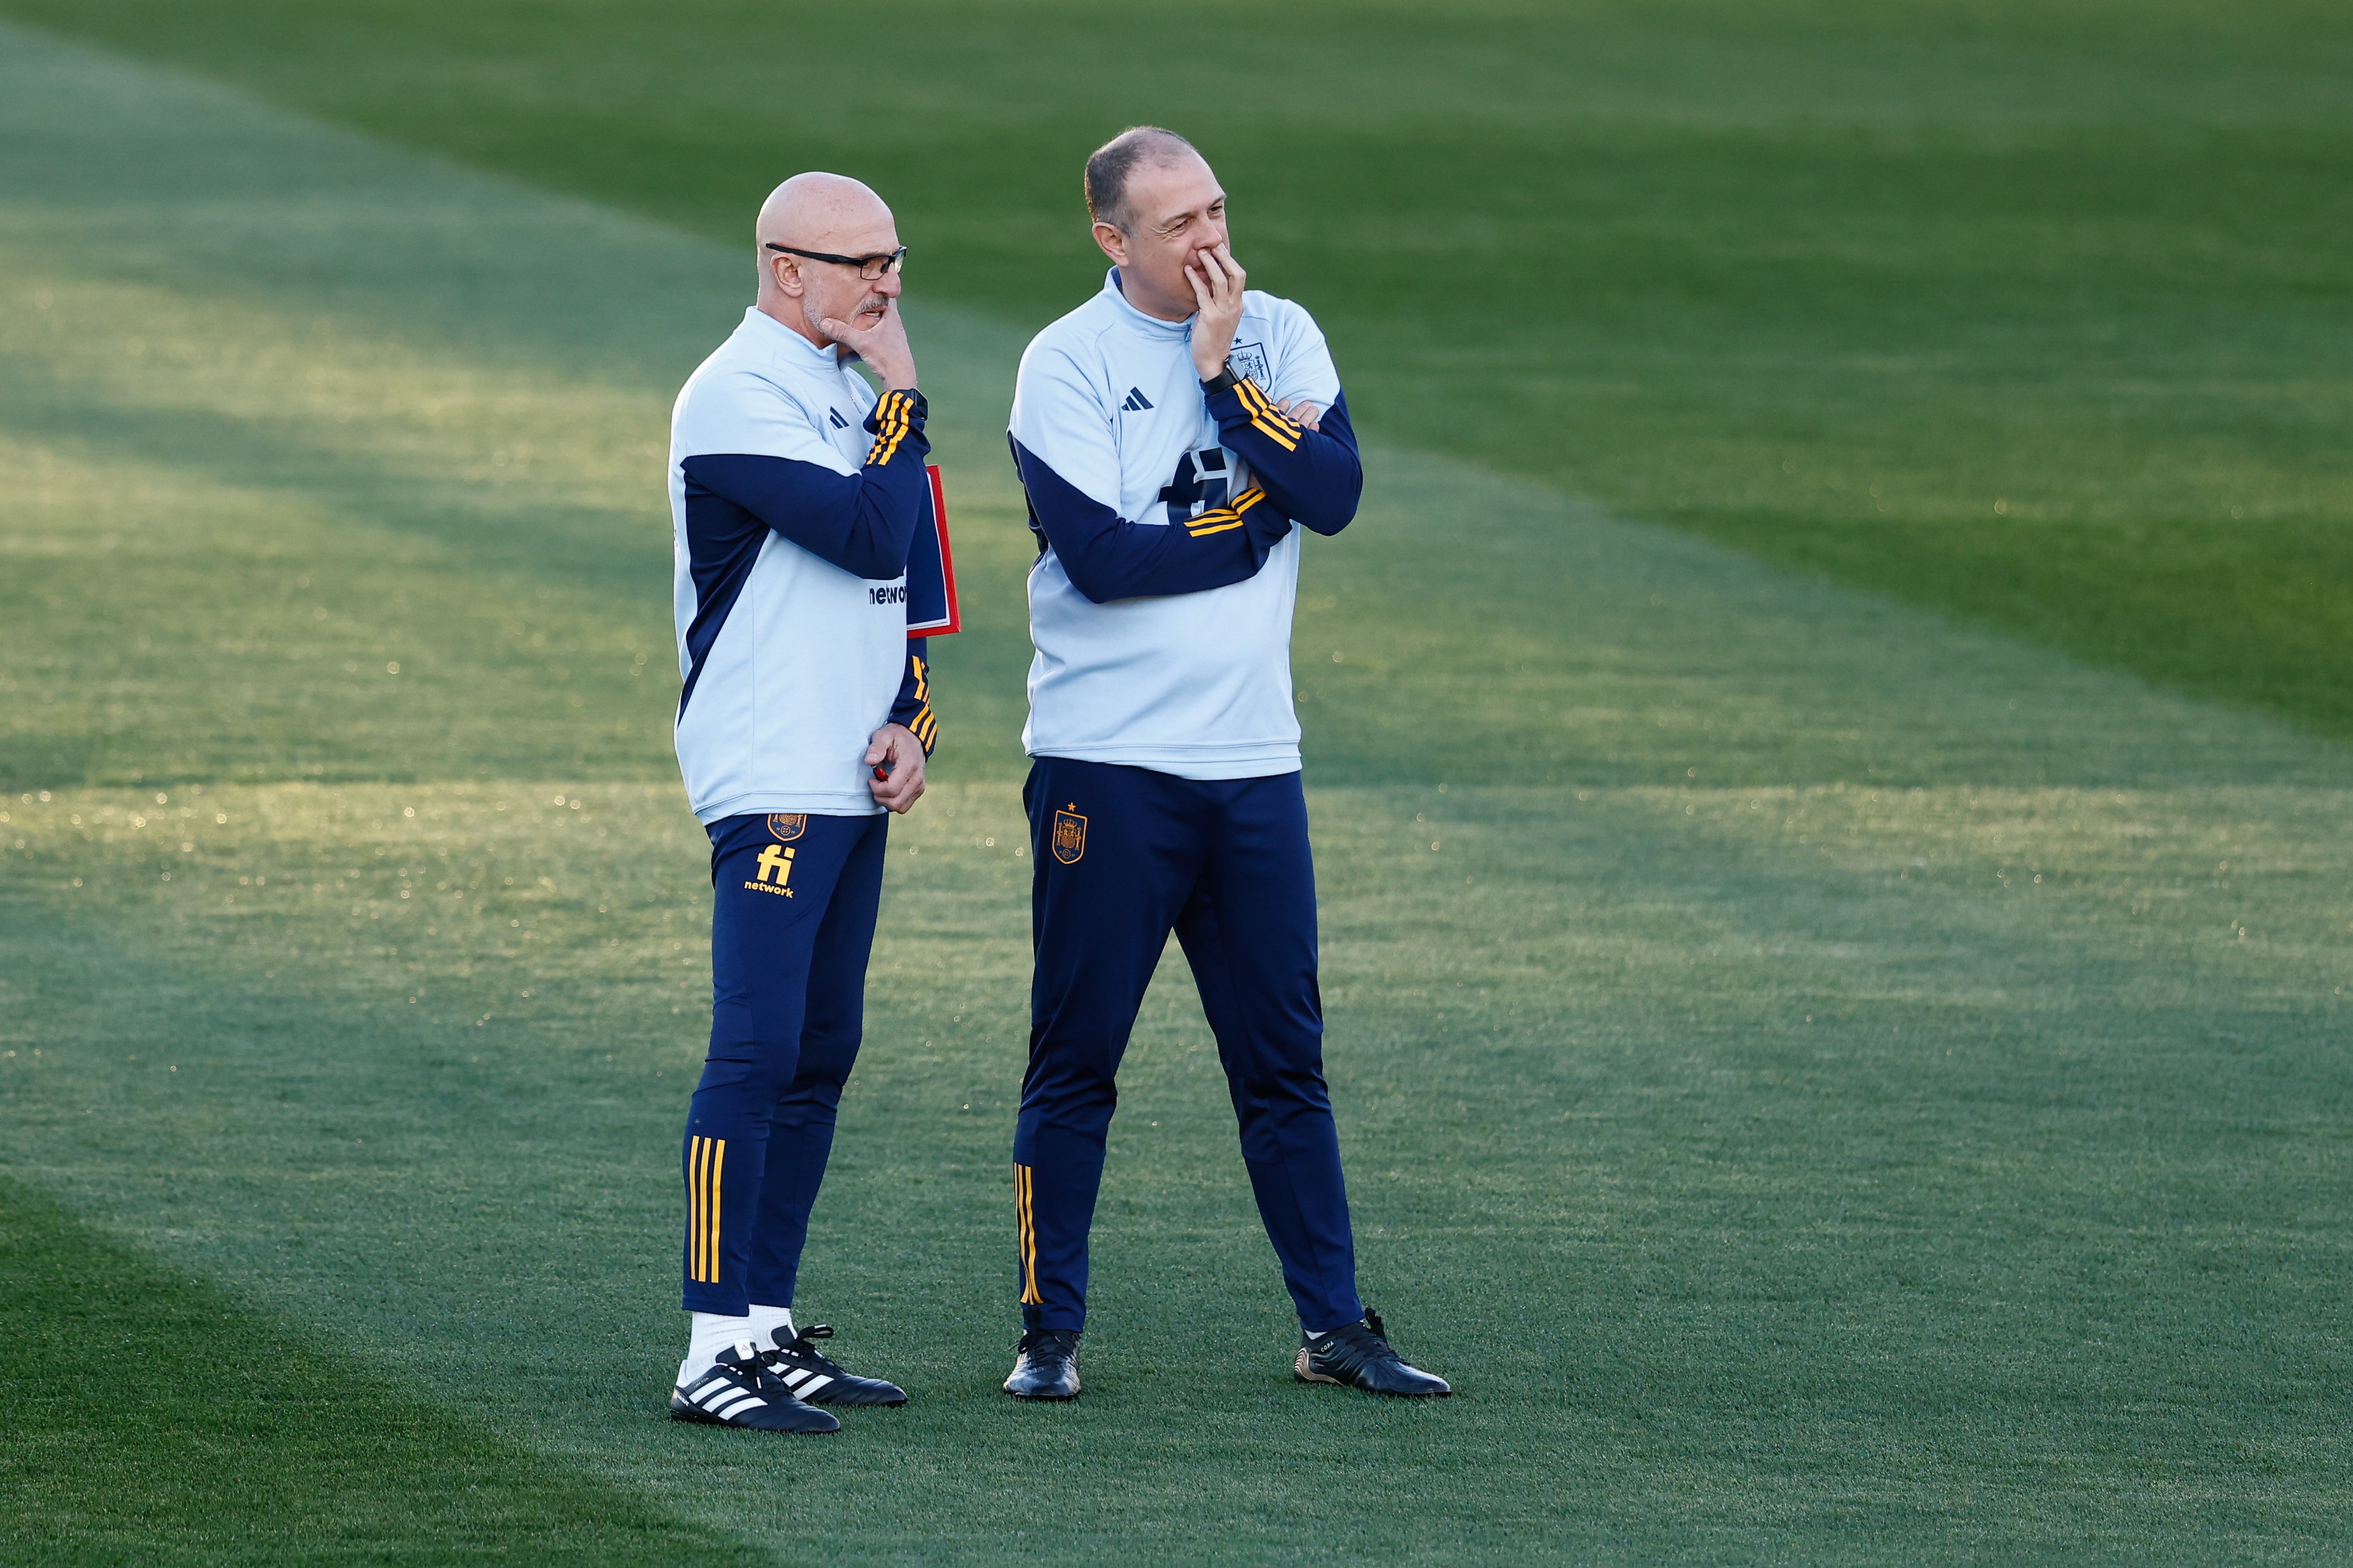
(711,1209)
(1024,1191)
(696,1162)
(694,1209)
(703,1205)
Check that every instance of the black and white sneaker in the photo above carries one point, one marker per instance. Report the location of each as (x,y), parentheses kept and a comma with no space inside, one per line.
(816,1378)
(1359,1356)
(736,1390)
(1045,1365)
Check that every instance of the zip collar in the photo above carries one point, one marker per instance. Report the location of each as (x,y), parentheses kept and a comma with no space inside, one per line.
(1151,326)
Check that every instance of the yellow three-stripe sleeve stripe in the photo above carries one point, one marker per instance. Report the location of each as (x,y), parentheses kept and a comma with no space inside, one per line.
(883,419)
(1267,419)
(1220,519)
(1261,408)
(892,418)
(705,1159)
(1280,431)
(1270,421)
(925,725)
(1025,1217)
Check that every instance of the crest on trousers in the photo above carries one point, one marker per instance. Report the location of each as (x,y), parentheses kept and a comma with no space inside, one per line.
(785,827)
(1069,836)
(1250,362)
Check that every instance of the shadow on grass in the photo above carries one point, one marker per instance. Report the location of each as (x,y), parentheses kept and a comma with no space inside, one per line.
(146,1417)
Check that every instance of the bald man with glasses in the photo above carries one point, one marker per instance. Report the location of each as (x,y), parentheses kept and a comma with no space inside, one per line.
(804,723)
(872,268)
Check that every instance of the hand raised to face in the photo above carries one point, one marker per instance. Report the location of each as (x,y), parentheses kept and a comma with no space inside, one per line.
(879,339)
(1218,280)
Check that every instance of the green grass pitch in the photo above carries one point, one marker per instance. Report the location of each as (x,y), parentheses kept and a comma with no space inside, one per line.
(1836,990)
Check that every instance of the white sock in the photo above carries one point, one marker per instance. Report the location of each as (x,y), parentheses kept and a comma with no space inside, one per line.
(710,1335)
(766,1321)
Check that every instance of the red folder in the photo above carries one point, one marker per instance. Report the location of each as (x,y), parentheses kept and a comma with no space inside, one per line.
(932,609)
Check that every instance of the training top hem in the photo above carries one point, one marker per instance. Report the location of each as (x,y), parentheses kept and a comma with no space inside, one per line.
(812,802)
(1202,764)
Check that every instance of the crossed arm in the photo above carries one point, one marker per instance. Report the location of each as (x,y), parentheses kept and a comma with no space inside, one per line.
(1108,557)
(1306,460)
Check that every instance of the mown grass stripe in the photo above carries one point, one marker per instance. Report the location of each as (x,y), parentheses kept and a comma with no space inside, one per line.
(149,1417)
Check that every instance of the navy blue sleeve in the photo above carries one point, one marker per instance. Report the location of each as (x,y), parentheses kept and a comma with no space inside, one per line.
(1314,475)
(1108,557)
(862,522)
(913,711)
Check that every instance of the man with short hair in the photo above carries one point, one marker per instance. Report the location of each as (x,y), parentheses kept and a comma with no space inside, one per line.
(804,721)
(1169,433)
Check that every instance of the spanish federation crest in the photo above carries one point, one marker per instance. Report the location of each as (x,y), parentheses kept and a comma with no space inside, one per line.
(1069,836)
(785,827)
(1248,361)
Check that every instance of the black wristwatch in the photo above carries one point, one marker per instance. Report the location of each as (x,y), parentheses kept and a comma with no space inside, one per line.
(1220,382)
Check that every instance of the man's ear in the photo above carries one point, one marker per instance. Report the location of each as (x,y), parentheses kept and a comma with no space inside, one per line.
(787,281)
(1113,243)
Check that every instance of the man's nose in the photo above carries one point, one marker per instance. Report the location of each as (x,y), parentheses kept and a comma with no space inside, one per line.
(889,285)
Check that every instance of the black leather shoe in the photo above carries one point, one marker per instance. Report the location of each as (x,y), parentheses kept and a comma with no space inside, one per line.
(816,1378)
(736,1390)
(1359,1356)
(1047,1366)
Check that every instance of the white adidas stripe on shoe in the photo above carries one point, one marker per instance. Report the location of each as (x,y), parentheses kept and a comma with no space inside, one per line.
(805,1382)
(813,1377)
(736,1390)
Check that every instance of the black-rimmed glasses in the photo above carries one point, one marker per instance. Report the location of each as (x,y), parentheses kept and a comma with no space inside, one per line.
(880,265)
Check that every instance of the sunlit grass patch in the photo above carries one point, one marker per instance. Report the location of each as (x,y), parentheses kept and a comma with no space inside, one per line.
(2032,314)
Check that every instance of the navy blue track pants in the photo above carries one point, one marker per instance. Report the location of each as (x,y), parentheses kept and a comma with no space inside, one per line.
(792,923)
(1123,857)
